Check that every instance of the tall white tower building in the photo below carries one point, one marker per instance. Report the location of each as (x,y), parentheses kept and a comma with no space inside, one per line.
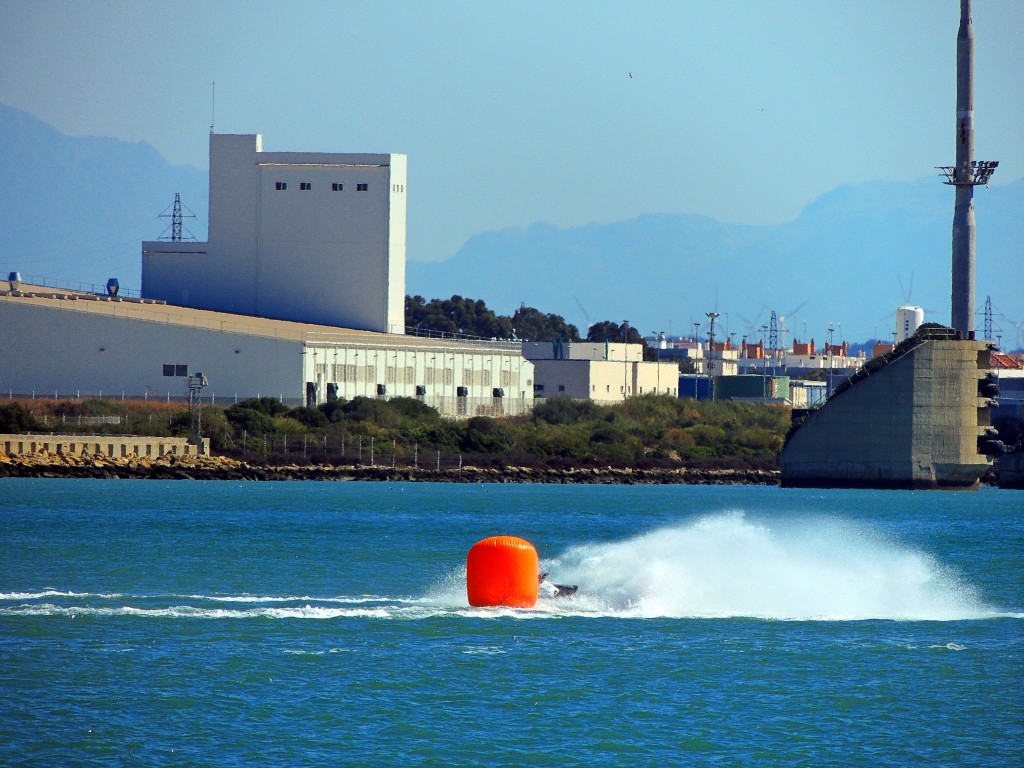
(304,236)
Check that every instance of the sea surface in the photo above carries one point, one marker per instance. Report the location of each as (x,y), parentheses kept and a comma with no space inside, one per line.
(189,623)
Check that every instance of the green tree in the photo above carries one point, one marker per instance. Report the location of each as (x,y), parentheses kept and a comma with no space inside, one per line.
(456,315)
(533,325)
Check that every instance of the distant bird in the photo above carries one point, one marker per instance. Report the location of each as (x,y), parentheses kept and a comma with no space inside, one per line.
(630,75)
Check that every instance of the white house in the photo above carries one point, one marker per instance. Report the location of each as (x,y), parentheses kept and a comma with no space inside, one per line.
(608,372)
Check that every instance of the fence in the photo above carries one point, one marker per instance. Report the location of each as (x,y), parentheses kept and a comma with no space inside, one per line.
(343,450)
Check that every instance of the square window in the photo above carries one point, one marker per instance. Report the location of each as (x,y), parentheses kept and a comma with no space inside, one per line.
(337,187)
(362,187)
(305,186)
(281,186)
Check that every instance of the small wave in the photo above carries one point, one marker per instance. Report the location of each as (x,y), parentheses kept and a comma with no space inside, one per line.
(51,593)
(197,612)
(261,599)
(484,650)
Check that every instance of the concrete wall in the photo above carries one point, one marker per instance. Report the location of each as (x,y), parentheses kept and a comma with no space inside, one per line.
(114,446)
(912,423)
(310,237)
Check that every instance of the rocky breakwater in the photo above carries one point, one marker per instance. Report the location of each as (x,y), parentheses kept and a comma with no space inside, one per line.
(175,467)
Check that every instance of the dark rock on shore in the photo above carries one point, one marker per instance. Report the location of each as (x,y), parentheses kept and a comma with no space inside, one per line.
(221,468)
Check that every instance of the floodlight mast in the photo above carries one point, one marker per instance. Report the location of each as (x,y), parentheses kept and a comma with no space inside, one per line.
(965,176)
(196,383)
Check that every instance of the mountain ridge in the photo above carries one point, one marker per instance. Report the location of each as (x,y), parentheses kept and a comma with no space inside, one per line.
(78,209)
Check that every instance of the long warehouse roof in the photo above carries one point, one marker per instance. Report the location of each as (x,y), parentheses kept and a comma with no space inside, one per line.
(155,311)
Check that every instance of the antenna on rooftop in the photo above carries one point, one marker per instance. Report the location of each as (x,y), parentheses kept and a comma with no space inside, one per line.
(213,104)
(987,327)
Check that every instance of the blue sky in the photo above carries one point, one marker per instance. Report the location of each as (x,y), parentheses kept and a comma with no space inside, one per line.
(513,113)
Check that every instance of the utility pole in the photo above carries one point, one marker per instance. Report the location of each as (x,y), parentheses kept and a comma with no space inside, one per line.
(177,221)
(625,359)
(711,353)
(696,349)
(773,338)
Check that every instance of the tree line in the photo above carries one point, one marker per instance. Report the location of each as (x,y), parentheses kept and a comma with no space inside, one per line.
(471,317)
(649,430)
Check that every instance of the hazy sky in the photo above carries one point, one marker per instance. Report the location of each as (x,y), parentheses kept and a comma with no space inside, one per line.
(518,112)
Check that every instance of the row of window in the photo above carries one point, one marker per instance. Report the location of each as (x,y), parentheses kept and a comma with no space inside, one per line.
(306,186)
(607,388)
(421,390)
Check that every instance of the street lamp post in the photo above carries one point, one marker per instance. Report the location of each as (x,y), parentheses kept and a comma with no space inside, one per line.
(196,383)
(829,356)
(657,351)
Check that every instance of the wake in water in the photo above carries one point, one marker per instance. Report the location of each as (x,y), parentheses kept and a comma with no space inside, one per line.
(724,565)
(728,565)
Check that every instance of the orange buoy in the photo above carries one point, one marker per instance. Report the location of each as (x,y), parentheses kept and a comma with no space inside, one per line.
(502,570)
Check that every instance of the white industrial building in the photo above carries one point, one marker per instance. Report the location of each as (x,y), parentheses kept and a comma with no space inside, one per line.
(306,236)
(74,344)
(605,372)
(299,293)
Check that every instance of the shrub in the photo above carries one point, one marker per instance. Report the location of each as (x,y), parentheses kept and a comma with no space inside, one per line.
(312,418)
(249,420)
(15,419)
(270,406)
(484,434)
(565,410)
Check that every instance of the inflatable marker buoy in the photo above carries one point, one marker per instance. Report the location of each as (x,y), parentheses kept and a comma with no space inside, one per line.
(502,570)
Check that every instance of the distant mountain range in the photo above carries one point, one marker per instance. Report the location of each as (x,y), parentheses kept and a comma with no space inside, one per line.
(76,210)
(851,258)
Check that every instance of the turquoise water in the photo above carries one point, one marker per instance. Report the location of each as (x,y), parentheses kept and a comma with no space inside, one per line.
(288,624)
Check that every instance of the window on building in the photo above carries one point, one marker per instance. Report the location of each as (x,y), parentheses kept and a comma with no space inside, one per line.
(281,186)
(337,187)
(561,387)
(305,186)
(362,187)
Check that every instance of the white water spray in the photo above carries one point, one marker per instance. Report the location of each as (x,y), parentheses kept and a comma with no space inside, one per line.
(729,565)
